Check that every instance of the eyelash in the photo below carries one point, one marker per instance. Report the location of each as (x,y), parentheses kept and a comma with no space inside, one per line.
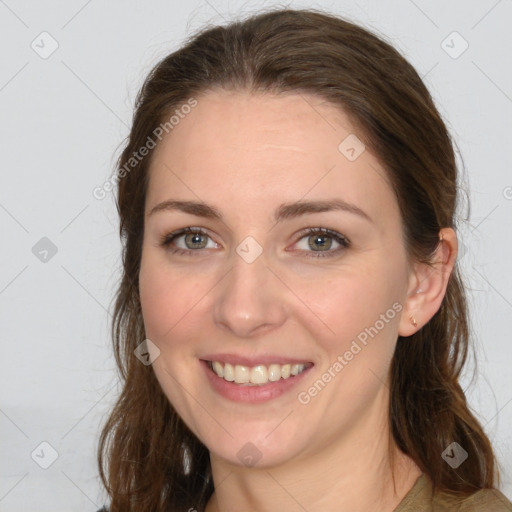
(345,243)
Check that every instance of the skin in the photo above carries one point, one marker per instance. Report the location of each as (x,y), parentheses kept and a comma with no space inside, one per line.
(246,155)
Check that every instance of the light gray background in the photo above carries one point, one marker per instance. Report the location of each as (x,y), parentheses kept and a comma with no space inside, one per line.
(62,120)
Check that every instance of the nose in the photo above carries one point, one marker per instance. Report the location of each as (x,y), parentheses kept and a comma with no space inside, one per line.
(250,299)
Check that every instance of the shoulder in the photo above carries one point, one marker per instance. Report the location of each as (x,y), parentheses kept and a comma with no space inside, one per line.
(420,499)
(484,500)
(490,500)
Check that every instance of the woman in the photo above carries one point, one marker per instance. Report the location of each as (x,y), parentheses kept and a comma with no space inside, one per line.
(291,322)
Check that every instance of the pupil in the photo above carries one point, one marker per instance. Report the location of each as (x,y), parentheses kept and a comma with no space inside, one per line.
(196,238)
(320,240)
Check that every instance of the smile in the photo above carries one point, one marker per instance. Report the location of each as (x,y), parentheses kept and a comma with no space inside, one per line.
(256,375)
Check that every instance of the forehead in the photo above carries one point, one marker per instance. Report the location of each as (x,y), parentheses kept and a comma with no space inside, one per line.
(242,150)
(248,123)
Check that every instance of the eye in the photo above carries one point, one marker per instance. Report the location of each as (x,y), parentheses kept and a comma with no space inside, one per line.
(317,239)
(192,239)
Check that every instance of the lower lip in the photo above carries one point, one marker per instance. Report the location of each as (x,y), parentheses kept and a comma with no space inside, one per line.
(251,394)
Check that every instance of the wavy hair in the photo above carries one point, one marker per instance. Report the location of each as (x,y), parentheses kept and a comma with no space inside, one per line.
(148,458)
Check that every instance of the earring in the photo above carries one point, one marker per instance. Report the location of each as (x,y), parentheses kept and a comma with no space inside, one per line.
(413,321)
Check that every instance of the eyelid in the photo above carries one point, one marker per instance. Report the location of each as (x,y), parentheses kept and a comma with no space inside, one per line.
(331,232)
(167,238)
(340,238)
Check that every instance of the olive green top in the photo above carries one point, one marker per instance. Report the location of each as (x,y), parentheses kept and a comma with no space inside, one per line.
(419,499)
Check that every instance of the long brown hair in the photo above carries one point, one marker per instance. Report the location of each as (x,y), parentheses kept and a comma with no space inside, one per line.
(144,442)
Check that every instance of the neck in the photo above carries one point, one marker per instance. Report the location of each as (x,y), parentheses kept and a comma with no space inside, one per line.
(353,472)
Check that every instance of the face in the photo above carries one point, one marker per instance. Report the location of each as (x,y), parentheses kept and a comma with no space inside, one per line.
(254,288)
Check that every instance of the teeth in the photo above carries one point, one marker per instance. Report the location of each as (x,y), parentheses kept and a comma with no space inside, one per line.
(274,372)
(228,372)
(242,374)
(296,368)
(218,369)
(259,374)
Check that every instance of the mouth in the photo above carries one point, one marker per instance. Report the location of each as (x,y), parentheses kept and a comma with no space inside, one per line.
(254,384)
(258,375)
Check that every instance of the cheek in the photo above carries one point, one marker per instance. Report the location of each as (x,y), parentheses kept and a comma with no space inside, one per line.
(350,303)
(154,302)
(170,302)
(161,300)
(359,315)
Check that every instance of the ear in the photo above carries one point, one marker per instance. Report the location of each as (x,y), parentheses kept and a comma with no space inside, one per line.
(427,285)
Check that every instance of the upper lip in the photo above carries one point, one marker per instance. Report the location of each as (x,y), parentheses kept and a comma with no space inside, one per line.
(250,361)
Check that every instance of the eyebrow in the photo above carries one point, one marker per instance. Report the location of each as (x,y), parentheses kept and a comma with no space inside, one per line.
(283,212)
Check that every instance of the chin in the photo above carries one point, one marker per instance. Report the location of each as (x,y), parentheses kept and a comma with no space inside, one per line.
(260,446)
